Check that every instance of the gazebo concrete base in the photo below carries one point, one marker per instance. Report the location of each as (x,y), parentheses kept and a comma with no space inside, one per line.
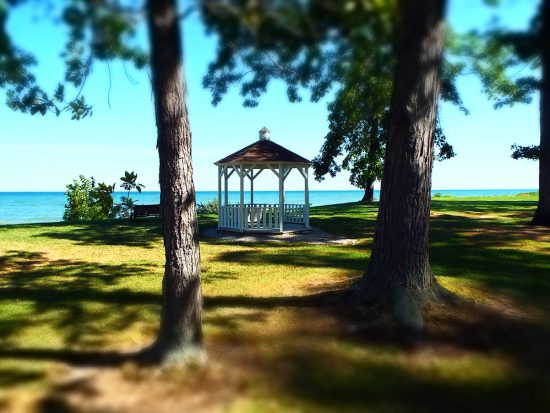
(313,236)
(288,228)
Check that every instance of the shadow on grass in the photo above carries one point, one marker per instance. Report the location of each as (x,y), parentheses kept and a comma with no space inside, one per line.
(82,302)
(142,233)
(14,376)
(517,209)
(356,220)
(502,258)
(145,232)
(378,367)
(348,257)
(73,357)
(209,277)
(352,220)
(349,384)
(343,369)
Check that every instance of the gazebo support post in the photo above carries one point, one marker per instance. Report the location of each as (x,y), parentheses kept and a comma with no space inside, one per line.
(306,192)
(220,172)
(225,183)
(281,197)
(251,186)
(241,216)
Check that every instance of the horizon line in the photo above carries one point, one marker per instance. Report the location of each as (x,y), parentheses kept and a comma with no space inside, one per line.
(294,190)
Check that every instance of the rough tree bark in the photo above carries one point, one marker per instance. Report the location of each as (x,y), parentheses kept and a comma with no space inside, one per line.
(399,273)
(542,214)
(368,196)
(180,335)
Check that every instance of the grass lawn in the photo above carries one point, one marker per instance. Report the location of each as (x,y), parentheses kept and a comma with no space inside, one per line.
(72,297)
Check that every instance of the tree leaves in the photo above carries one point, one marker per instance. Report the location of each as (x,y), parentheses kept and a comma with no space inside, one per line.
(304,44)
(506,61)
(531,152)
(129,182)
(98,30)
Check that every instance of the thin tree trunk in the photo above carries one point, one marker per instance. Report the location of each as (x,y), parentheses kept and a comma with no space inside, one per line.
(372,159)
(399,273)
(368,196)
(542,214)
(180,336)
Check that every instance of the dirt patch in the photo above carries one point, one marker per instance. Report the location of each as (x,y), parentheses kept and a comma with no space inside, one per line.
(135,389)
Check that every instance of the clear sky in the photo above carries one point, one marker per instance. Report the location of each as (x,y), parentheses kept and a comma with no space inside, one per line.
(45,153)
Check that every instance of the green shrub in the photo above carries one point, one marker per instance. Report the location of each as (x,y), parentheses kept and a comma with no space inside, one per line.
(210,207)
(87,200)
(126,206)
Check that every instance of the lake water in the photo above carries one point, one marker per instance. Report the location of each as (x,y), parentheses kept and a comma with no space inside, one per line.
(27,207)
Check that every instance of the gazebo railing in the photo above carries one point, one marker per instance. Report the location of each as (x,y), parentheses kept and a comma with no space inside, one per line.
(261,216)
(294,213)
(258,216)
(229,216)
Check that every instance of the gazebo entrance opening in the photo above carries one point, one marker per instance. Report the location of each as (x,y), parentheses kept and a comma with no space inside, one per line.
(248,164)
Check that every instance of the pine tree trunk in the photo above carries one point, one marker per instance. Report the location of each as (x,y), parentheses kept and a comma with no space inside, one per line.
(180,335)
(542,214)
(368,196)
(399,273)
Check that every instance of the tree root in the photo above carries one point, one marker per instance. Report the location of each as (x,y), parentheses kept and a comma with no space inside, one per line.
(404,303)
(161,353)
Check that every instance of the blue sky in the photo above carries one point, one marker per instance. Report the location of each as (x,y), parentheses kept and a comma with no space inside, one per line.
(45,153)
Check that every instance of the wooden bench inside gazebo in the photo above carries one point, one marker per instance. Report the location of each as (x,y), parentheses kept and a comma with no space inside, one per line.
(248,163)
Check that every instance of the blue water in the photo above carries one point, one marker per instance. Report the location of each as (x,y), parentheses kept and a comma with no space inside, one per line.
(26,207)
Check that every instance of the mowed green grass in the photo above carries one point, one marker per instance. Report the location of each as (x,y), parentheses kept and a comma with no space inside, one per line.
(71,293)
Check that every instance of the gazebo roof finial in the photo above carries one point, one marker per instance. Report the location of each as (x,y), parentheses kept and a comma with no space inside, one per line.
(263,151)
(264,134)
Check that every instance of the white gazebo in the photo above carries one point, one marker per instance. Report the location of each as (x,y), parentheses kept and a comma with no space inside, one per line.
(248,163)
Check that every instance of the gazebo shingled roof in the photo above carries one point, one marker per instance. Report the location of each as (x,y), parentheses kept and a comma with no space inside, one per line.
(263,151)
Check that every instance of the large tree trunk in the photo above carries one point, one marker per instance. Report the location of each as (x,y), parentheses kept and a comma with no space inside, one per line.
(180,336)
(399,273)
(542,214)
(368,196)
